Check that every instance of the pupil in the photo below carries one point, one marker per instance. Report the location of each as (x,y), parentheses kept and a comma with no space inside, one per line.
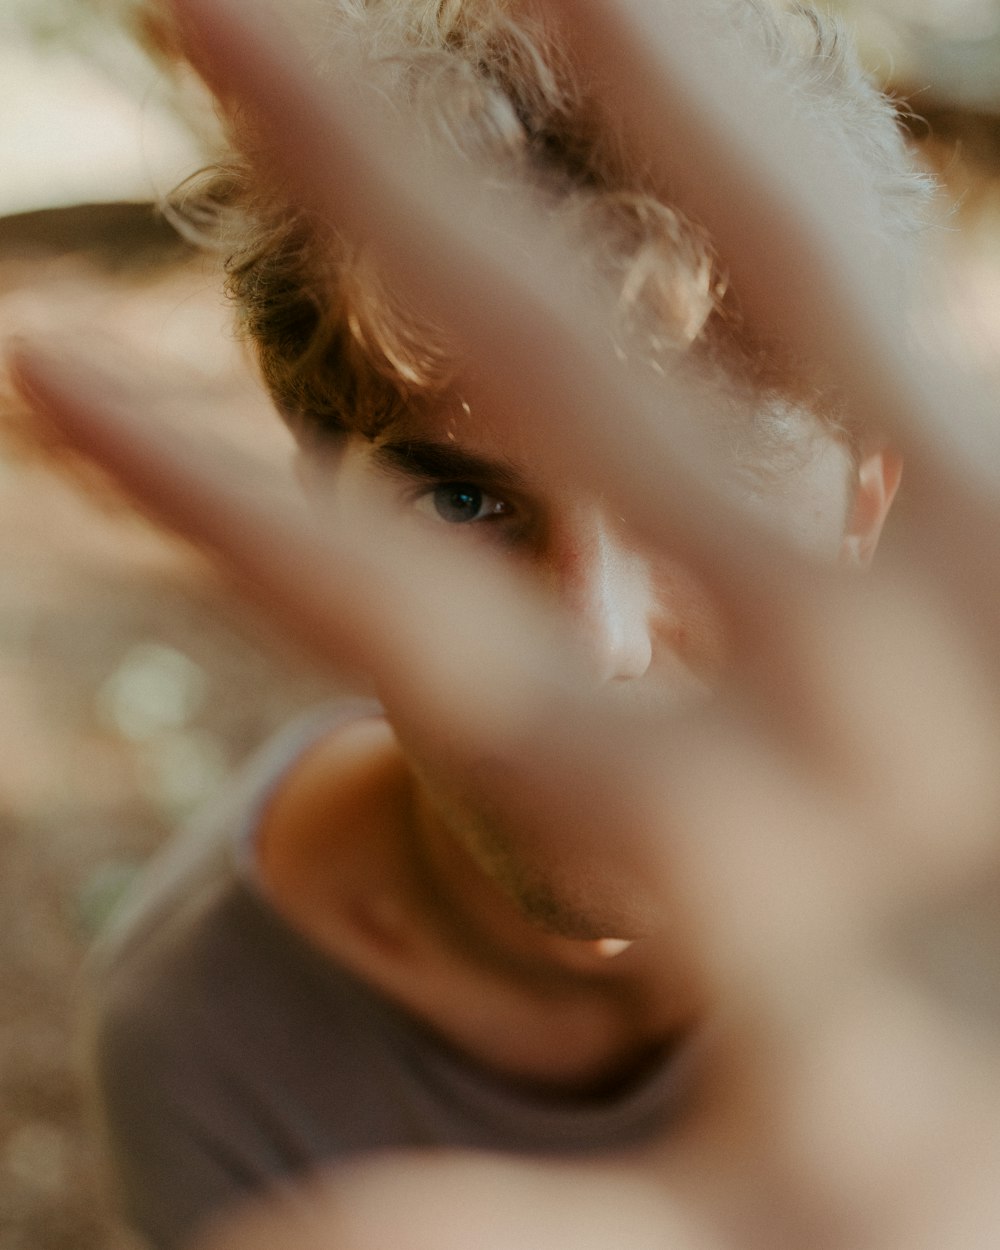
(458,501)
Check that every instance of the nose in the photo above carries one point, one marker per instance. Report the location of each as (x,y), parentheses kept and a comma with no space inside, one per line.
(608,589)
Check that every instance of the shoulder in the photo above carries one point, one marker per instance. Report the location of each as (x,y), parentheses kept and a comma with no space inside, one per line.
(195,1000)
(204,856)
(158,1016)
(195,935)
(336,772)
(205,1091)
(323,826)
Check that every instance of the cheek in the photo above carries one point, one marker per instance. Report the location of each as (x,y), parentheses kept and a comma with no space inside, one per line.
(692,648)
(808,507)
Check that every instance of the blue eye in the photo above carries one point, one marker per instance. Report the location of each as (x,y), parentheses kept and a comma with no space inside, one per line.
(460,502)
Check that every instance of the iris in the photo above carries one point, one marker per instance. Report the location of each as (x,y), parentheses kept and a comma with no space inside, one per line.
(458,501)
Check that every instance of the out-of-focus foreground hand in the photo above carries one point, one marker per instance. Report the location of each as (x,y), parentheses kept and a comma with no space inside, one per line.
(838,890)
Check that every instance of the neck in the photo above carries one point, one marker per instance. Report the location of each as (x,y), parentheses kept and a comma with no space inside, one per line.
(588,1012)
(354,856)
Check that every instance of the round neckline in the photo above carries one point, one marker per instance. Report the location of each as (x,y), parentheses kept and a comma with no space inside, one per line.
(490,1103)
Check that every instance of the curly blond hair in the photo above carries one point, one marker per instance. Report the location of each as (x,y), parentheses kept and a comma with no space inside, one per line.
(338,346)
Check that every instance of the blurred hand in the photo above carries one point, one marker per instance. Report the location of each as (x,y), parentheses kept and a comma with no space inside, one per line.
(833,814)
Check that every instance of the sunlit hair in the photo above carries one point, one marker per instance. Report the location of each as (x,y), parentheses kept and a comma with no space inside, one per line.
(337,345)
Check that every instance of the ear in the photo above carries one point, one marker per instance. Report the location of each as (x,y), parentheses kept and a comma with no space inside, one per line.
(876,485)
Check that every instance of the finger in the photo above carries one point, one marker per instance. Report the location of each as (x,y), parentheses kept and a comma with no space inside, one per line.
(803,703)
(766,620)
(442,235)
(497,675)
(453,1202)
(501,275)
(841,1068)
(782,199)
(253,516)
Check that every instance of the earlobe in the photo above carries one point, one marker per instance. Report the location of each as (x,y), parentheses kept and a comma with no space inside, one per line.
(877,482)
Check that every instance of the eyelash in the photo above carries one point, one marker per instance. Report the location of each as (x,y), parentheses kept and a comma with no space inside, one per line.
(441,496)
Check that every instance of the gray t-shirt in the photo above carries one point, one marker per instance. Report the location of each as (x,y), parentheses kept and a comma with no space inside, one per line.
(231,1054)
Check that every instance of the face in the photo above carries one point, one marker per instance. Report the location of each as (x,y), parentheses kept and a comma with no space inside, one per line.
(645,624)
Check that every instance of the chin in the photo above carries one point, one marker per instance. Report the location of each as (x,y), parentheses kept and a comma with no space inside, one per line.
(572,912)
(586,892)
(563,895)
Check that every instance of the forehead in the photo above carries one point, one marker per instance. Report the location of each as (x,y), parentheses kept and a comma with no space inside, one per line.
(767,450)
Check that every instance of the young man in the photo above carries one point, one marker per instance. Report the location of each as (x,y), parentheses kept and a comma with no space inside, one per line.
(379,939)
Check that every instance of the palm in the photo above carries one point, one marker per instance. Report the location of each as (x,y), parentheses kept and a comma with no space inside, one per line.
(823,887)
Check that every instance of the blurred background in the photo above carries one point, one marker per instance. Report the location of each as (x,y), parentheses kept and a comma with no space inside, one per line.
(131,682)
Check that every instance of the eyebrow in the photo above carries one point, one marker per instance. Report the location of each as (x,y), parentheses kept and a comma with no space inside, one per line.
(431,460)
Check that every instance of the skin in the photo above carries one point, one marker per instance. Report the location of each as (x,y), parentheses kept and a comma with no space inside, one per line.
(856,1105)
(477,900)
